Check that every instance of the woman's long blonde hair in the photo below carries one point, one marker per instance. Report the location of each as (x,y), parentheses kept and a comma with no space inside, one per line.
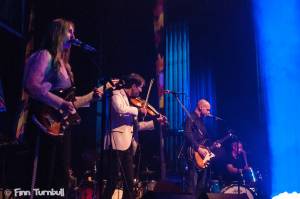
(54,41)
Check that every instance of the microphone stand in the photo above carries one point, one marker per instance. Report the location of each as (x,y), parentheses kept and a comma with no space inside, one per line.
(241,177)
(189,116)
(180,154)
(193,124)
(97,61)
(187,113)
(105,114)
(99,176)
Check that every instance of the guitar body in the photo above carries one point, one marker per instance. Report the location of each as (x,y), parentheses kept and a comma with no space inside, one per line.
(52,121)
(203,161)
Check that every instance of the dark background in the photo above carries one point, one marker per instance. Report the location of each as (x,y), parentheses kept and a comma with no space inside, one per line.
(221,37)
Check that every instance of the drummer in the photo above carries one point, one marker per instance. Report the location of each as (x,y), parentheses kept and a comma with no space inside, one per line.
(236,164)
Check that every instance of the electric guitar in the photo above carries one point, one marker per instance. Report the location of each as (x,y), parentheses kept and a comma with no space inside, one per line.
(56,122)
(202,160)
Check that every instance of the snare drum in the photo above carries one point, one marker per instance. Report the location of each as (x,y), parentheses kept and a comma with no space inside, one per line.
(235,189)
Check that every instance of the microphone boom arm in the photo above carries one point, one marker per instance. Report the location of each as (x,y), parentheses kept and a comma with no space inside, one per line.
(187,113)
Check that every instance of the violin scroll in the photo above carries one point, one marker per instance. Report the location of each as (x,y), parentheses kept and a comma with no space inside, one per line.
(162,120)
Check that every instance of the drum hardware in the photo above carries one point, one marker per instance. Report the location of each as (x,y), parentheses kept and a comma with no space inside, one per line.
(249,177)
(148,172)
(88,186)
(142,187)
(252,189)
(215,186)
(103,187)
(73,188)
(150,186)
(259,175)
(138,188)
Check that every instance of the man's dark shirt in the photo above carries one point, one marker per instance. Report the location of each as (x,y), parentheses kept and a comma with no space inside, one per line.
(237,163)
(195,133)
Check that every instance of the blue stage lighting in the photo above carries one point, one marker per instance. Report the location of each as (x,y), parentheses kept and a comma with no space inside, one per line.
(278,41)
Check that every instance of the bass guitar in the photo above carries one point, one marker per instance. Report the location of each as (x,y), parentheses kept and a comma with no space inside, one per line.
(202,160)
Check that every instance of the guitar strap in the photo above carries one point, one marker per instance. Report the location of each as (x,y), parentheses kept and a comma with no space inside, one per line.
(70,74)
(22,117)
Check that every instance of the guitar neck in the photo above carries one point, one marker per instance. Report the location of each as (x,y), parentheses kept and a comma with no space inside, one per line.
(220,141)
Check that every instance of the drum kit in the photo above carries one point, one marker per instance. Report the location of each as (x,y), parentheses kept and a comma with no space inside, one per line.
(247,186)
(248,181)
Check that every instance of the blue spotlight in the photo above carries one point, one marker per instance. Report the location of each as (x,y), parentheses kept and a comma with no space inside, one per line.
(278,41)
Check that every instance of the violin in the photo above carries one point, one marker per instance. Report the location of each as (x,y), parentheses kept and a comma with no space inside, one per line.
(140,103)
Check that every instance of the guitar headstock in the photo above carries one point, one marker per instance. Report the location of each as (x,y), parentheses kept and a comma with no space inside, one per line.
(218,143)
(230,134)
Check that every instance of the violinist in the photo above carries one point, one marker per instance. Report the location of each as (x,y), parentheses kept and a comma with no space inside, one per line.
(119,140)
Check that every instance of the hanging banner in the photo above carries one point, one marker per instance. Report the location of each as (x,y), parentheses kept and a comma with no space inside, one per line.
(158,13)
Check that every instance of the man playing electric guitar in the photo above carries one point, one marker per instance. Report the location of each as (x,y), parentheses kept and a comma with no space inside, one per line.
(196,135)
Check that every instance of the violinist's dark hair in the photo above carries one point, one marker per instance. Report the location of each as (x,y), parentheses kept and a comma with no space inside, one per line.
(133,78)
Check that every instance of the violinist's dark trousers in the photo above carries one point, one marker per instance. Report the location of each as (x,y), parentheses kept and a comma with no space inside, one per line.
(120,162)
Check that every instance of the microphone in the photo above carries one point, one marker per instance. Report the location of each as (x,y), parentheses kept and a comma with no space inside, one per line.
(173,92)
(84,46)
(215,117)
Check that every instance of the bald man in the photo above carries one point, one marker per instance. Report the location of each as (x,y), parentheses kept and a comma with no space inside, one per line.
(196,135)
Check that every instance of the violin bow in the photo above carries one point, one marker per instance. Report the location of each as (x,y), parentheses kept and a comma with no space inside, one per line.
(148,94)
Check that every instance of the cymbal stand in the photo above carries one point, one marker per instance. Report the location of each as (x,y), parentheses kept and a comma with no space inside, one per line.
(95,183)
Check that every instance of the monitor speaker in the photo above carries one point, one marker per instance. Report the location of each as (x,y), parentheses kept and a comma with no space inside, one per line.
(161,195)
